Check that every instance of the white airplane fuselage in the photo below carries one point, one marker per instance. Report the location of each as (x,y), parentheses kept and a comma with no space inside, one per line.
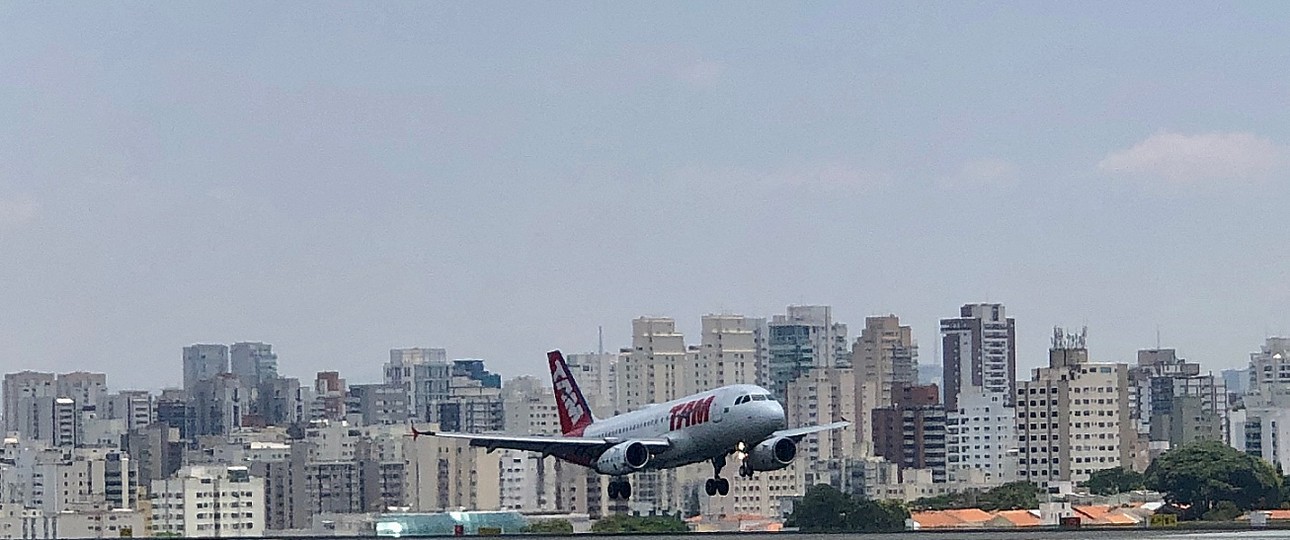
(700,427)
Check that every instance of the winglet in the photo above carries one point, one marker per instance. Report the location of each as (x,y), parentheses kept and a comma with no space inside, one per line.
(575,415)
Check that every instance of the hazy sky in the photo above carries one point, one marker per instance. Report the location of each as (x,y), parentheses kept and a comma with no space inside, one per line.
(500,178)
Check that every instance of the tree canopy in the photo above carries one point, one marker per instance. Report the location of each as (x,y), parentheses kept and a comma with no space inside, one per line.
(1020,495)
(825,509)
(1205,473)
(1114,480)
(550,526)
(639,524)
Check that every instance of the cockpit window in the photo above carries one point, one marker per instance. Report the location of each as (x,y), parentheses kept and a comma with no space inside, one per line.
(759,397)
(743,399)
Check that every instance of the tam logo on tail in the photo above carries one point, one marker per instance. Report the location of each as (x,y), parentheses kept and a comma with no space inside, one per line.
(575,415)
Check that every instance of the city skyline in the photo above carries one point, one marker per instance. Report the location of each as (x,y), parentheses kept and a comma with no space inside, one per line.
(344,179)
(361,375)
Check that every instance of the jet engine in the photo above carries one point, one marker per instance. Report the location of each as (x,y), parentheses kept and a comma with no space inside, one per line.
(623,458)
(772,454)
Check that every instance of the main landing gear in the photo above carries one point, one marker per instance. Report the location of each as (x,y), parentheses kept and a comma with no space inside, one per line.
(620,488)
(717,485)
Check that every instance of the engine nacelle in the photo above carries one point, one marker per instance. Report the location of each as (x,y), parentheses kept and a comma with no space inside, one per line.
(772,454)
(623,458)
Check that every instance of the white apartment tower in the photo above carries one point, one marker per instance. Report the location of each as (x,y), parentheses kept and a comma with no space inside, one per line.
(979,353)
(1270,375)
(727,351)
(1267,415)
(1073,416)
(208,502)
(982,436)
(652,371)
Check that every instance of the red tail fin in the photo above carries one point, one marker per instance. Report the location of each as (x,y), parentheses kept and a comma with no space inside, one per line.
(575,415)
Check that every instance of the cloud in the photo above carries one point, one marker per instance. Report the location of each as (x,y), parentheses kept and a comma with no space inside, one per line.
(18,211)
(1179,159)
(984,173)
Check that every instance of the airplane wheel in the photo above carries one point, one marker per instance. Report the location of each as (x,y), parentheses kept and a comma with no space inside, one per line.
(625,490)
(710,487)
(613,490)
(745,471)
(723,487)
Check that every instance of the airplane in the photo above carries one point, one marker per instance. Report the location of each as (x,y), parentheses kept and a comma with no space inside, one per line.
(738,419)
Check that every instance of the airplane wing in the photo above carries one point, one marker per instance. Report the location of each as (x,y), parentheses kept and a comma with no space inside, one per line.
(576,449)
(797,433)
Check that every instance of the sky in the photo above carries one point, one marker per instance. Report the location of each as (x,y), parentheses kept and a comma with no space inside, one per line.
(500,179)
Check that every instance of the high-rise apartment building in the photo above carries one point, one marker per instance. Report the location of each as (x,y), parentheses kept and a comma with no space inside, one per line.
(65,479)
(886,352)
(1267,405)
(982,437)
(203,362)
(806,337)
(20,389)
(472,406)
(449,474)
(822,396)
(727,351)
(330,394)
(1269,374)
(175,410)
(208,502)
(88,390)
(1173,403)
(912,432)
(254,363)
(54,409)
(218,405)
(377,404)
(979,352)
(425,375)
(1073,416)
(651,371)
(135,407)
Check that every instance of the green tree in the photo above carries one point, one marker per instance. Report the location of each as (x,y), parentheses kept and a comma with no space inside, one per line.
(825,509)
(1021,495)
(1114,480)
(947,501)
(640,524)
(1204,473)
(550,526)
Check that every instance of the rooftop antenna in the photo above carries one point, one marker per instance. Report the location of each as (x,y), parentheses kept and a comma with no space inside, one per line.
(1157,337)
(600,331)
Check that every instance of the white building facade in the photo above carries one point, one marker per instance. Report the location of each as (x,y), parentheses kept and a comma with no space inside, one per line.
(208,502)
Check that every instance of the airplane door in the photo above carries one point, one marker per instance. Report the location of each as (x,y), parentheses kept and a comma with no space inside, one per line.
(717,410)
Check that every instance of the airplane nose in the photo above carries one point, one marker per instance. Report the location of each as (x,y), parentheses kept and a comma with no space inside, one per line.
(775,416)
